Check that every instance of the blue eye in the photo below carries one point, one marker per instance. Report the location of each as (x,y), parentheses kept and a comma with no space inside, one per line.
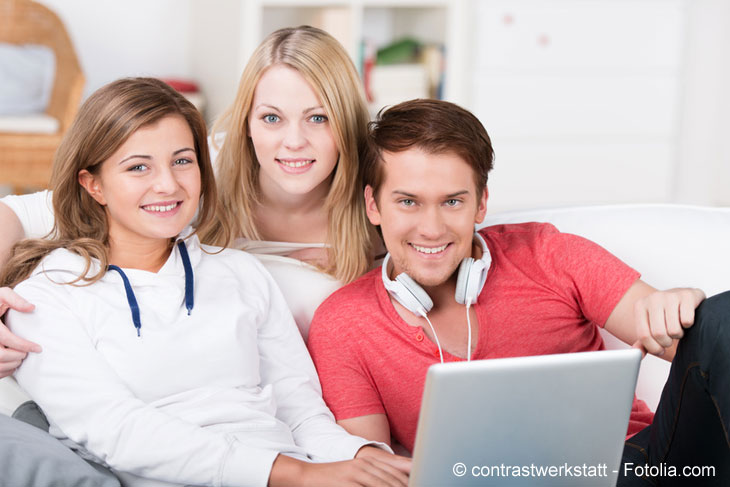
(318,118)
(270,118)
(453,202)
(138,168)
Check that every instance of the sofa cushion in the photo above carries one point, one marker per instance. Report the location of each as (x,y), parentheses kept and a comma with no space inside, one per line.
(26,75)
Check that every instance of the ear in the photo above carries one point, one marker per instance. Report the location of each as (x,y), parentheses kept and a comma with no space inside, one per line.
(371,206)
(482,207)
(92,186)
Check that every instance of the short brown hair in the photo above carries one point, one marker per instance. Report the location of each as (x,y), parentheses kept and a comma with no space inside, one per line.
(434,126)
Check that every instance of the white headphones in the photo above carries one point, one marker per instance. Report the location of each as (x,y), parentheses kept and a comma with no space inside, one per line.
(469,283)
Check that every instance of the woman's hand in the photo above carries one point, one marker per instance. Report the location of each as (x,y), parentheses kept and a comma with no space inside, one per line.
(364,470)
(13,349)
(399,462)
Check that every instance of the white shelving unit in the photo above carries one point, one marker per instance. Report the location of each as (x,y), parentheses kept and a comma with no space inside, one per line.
(236,27)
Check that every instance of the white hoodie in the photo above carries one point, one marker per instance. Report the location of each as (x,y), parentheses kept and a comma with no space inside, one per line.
(210,398)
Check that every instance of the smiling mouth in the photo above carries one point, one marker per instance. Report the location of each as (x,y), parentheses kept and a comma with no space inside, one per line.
(162,208)
(429,250)
(295,163)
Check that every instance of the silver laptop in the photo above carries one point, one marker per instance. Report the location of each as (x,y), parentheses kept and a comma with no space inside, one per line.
(556,420)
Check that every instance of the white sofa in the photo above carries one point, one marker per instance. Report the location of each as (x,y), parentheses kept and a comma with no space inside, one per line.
(671,245)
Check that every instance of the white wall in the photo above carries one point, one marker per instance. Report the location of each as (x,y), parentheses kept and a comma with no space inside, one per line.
(587,101)
(703,162)
(116,38)
(581,98)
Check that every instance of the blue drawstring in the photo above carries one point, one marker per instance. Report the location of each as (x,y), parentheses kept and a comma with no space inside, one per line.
(130,298)
(189,281)
(189,287)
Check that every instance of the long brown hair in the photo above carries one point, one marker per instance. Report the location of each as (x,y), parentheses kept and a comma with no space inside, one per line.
(104,122)
(323,62)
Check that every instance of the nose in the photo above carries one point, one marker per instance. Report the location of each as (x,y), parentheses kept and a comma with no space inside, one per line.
(165,181)
(432,224)
(294,138)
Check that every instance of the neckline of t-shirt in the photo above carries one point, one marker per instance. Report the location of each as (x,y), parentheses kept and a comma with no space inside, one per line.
(389,308)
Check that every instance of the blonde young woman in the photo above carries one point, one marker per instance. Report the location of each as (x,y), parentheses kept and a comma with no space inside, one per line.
(287,177)
(164,359)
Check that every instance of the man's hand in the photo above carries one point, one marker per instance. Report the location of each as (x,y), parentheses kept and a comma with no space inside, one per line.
(652,320)
(13,349)
(661,317)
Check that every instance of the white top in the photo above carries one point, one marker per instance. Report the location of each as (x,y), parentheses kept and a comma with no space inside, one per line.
(303,285)
(207,398)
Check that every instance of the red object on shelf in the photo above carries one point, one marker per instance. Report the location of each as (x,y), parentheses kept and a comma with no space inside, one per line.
(182,85)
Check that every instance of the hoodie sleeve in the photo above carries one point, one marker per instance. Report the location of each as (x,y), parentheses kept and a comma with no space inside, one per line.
(286,364)
(89,403)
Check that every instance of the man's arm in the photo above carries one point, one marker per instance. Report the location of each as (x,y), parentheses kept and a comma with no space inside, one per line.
(653,320)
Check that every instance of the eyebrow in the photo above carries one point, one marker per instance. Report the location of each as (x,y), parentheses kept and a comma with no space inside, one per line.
(410,195)
(144,156)
(274,107)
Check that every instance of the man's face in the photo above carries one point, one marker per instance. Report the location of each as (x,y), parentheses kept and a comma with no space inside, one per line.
(426,208)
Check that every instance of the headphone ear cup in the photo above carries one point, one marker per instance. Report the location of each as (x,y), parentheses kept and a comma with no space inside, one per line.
(469,282)
(413,297)
(462,280)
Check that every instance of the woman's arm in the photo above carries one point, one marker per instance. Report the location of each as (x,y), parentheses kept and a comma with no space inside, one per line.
(285,363)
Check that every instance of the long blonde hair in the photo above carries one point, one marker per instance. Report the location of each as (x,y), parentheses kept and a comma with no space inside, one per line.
(104,122)
(323,62)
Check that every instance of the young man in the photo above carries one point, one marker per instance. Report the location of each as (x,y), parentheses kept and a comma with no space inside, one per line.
(545,292)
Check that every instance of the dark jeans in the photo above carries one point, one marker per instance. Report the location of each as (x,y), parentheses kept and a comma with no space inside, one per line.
(689,435)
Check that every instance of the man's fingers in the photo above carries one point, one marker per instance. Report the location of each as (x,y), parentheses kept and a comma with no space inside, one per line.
(14,342)
(637,345)
(658,326)
(687,307)
(651,346)
(644,332)
(674,327)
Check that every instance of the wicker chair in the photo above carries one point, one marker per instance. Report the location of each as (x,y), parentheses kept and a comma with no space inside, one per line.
(25,159)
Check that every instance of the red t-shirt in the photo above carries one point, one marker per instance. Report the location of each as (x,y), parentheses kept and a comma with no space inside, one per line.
(546,292)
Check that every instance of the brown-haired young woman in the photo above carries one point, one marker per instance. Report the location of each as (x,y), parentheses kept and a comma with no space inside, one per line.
(165,359)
